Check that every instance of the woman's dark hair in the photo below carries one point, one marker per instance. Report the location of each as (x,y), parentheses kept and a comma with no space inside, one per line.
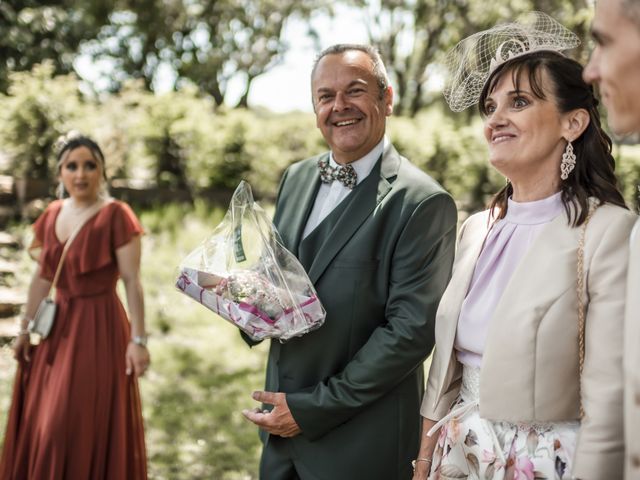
(593,175)
(72,141)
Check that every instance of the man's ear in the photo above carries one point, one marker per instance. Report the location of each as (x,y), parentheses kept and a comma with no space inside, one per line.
(575,123)
(388,100)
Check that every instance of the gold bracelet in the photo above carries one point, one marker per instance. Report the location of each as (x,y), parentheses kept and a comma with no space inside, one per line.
(426,460)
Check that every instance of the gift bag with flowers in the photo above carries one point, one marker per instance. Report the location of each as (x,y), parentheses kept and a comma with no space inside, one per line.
(243,273)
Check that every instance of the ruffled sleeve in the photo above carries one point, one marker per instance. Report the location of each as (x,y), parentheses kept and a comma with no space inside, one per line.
(125,226)
(43,234)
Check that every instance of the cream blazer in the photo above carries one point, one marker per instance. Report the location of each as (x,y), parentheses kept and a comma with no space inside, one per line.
(632,362)
(530,369)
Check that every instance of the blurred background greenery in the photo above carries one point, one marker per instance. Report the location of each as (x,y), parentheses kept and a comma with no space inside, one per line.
(176,153)
(181,143)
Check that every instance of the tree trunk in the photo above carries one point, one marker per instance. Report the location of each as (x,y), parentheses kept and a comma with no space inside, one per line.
(244,99)
(214,90)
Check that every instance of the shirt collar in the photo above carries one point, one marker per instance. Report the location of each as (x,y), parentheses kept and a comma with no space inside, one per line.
(364,165)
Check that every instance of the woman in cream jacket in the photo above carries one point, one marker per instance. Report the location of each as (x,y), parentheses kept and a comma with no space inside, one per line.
(521,385)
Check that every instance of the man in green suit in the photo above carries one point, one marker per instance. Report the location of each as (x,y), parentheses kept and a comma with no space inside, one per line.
(376,236)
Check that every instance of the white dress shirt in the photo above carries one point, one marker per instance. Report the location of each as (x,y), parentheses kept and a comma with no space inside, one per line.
(331,194)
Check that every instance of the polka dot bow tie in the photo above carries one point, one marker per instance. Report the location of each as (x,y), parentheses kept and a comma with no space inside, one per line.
(344,174)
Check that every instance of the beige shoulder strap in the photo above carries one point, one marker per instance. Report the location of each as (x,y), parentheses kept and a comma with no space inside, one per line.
(579,290)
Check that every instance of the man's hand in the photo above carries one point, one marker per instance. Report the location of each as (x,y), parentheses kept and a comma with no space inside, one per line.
(278,421)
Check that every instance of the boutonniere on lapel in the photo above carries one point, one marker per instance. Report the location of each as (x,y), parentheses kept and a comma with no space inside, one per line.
(243,273)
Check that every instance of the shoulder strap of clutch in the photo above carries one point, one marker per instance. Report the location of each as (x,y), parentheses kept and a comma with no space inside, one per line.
(579,290)
(89,215)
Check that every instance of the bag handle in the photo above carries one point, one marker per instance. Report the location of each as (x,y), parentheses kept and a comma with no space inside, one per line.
(581,305)
(88,216)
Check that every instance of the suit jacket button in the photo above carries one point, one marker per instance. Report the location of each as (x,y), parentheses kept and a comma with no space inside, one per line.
(637,397)
(635,461)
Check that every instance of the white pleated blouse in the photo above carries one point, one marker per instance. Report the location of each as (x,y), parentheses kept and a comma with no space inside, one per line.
(506,244)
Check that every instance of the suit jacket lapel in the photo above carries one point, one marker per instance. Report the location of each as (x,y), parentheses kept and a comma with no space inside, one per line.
(299,205)
(451,303)
(359,205)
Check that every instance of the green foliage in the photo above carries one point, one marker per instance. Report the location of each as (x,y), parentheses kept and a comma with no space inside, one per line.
(197,429)
(628,172)
(181,141)
(412,35)
(165,133)
(454,155)
(235,161)
(224,147)
(23,273)
(203,373)
(33,32)
(209,43)
(275,141)
(37,110)
(7,373)
(206,43)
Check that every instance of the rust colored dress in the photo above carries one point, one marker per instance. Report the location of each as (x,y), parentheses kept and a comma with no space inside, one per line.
(75,414)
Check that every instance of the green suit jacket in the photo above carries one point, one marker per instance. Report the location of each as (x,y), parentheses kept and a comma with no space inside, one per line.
(380,263)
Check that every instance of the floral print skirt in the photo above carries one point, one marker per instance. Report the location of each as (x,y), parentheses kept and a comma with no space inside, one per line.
(470,447)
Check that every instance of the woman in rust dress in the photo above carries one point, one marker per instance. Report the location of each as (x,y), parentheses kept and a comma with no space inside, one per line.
(75,411)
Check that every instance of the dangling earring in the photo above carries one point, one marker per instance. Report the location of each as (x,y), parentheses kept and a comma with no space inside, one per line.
(60,191)
(568,162)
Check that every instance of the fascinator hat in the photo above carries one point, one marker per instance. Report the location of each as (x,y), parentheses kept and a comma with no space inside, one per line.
(472,61)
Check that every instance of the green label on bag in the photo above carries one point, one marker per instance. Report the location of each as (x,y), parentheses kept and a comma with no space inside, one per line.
(238,249)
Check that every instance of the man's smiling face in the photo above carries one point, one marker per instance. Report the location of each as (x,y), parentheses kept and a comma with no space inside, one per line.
(350,109)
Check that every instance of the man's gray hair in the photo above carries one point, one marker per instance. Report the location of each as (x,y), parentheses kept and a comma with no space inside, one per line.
(379,71)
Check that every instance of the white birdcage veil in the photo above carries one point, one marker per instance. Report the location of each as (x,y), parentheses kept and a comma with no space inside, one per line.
(470,62)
